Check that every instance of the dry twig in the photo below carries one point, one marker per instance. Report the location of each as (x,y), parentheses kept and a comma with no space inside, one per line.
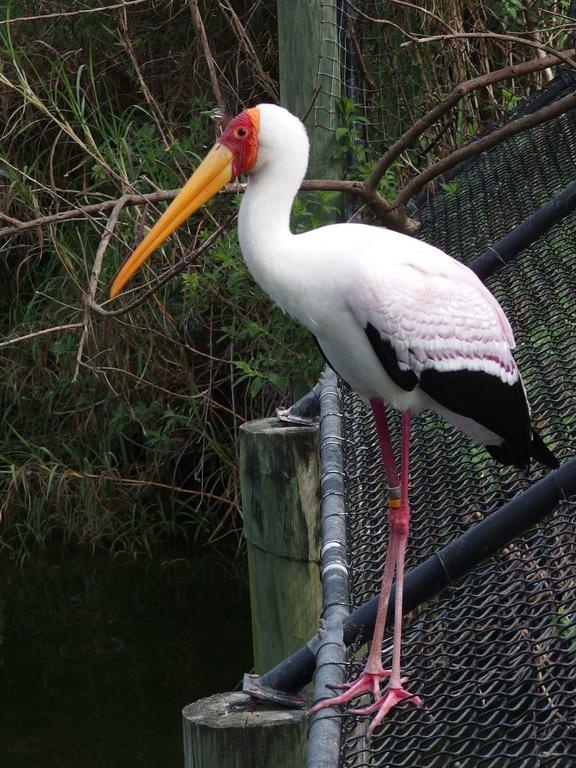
(43,332)
(495,36)
(59,14)
(237,27)
(201,32)
(404,3)
(409,138)
(88,210)
(382,22)
(366,76)
(553,110)
(163,279)
(93,284)
(157,116)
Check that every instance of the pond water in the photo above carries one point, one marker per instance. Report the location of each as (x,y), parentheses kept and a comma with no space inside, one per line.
(98,657)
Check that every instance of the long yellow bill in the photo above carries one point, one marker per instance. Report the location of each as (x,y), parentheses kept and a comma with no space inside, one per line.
(211,175)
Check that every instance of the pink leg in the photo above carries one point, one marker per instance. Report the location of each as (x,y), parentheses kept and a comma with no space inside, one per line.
(374,663)
(399,525)
(399,515)
(385,444)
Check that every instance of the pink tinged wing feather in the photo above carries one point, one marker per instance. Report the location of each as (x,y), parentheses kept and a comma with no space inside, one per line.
(436,314)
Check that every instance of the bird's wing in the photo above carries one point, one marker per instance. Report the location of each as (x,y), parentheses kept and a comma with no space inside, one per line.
(431,314)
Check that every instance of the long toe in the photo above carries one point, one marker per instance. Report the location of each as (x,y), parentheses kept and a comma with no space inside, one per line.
(368,682)
(391,698)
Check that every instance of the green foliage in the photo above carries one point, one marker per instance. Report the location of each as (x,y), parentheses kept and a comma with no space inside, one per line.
(451,187)
(509,11)
(315,209)
(352,138)
(120,433)
(510,100)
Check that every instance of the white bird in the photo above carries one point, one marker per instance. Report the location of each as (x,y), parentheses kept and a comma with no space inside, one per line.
(400,321)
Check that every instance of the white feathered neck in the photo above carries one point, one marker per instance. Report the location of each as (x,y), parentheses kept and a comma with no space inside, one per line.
(264,218)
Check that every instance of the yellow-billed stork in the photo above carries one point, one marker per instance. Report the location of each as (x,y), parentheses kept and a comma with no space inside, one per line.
(400,321)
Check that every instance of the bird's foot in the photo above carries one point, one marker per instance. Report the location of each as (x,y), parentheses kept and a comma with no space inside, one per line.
(385,703)
(368,682)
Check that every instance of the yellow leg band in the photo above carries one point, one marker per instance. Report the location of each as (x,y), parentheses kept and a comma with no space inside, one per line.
(394,503)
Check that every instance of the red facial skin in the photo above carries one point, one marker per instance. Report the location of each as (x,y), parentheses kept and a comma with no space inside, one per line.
(241,138)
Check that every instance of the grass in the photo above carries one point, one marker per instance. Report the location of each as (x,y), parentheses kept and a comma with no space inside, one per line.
(120,434)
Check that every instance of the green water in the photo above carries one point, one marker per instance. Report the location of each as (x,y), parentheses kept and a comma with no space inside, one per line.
(97,657)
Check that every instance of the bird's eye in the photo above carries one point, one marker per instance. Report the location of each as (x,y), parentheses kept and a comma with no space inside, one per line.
(241,133)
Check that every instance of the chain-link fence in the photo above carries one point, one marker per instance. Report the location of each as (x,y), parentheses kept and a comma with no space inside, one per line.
(494,656)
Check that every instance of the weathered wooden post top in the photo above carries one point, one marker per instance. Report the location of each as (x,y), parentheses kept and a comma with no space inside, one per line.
(226,731)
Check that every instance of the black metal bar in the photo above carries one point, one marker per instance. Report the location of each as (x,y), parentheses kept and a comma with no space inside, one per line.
(292,674)
(307,409)
(526,233)
(443,568)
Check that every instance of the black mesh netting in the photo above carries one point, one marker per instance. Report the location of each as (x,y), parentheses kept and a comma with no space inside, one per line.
(494,656)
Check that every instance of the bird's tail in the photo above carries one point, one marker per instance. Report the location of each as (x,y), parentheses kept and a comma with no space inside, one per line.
(507,453)
(541,453)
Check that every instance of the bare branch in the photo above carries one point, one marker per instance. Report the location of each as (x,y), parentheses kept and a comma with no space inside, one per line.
(14,222)
(495,36)
(43,332)
(553,110)
(201,32)
(58,14)
(163,279)
(238,29)
(333,185)
(319,185)
(93,284)
(410,137)
(89,210)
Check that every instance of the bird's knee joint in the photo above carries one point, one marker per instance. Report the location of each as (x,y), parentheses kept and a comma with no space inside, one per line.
(399,520)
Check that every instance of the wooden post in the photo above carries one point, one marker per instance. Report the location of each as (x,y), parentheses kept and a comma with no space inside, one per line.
(280,483)
(225,731)
(310,76)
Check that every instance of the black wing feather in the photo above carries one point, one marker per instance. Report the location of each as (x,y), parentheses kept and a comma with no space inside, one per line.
(482,397)
(502,408)
(385,352)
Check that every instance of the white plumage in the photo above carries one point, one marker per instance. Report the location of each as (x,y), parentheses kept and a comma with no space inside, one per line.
(399,320)
(335,280)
